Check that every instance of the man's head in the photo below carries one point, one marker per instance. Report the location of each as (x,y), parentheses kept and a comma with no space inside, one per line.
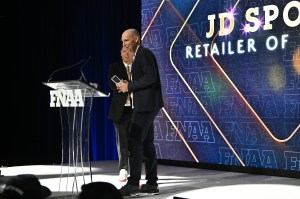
(26,186)
(127,55)
(130,39)
(95,190)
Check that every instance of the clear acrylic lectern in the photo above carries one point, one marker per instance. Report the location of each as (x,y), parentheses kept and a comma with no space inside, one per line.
(75,123)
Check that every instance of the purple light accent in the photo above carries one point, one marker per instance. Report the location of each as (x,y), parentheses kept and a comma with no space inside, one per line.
(246,32)
(232,15)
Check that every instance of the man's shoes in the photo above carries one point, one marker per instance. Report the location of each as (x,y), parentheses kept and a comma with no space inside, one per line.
(130,190)
(147,189)
(123,175)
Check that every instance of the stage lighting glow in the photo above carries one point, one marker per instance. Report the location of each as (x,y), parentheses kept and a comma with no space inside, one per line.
(45,170)
(246,191)
(276,77)
(296,60)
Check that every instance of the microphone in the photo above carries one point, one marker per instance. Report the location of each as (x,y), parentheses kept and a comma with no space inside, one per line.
(50,77)
(82,77)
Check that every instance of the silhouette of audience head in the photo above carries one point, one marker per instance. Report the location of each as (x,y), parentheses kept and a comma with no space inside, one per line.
(25,186)
(96,190)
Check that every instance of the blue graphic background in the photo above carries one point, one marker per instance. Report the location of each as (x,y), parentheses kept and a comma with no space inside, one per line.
(268,79)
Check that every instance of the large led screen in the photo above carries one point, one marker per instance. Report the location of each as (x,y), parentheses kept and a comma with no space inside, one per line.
(230,73)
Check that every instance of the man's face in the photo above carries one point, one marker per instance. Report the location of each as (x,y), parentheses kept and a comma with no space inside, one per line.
(129,41)
(126,56)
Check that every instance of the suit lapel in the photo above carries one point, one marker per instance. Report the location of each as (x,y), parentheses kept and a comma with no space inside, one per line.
(134,61)
(124,72)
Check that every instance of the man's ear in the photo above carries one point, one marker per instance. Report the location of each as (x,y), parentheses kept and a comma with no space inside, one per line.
(136,39)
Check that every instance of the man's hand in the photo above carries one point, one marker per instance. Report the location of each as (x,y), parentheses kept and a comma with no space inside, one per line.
(122,86)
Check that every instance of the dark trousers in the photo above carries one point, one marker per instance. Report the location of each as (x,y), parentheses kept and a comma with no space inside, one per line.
(141,145)
(122,136)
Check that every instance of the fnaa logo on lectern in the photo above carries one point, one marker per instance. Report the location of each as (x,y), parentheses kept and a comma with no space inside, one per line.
(66,98)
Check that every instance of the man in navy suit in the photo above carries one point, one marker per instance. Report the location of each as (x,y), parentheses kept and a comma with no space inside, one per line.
(147,101)
(121,109)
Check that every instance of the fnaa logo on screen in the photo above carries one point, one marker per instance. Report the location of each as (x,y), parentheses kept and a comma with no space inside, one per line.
(66,98)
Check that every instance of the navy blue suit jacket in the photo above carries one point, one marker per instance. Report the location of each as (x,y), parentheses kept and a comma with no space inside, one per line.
(145,85)
(118,99)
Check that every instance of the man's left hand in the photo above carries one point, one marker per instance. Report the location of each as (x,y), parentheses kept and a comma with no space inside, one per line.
(122,86)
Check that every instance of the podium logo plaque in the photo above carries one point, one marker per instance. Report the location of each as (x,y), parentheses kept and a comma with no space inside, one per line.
(66,98)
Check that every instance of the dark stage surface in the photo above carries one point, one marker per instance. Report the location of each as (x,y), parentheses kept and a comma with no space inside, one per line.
(181,182)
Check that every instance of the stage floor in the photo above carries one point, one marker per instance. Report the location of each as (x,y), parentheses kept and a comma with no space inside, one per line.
(181,182)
